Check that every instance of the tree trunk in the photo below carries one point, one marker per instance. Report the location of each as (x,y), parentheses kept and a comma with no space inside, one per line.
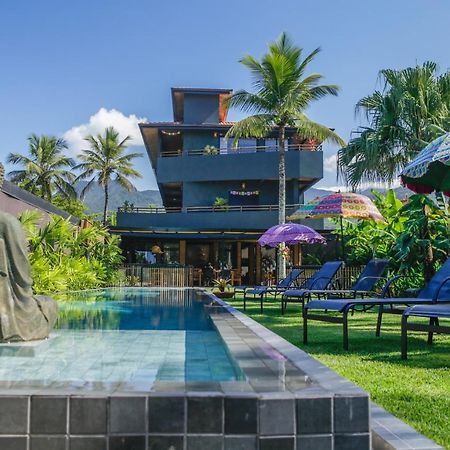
(105,209)
(281,197)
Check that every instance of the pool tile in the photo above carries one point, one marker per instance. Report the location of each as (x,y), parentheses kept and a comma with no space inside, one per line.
(87,415)
(165,442)
(13,443)
(127,443)
(276,417)
(240,415)
(240,443)
(351,414)
(314,415)
(313,442)
(204,442)
(87,443)
(48,443)
(166,414)
(205,415)
(352,442)
(48,415)
(278,443)
(15,421)
(127,415)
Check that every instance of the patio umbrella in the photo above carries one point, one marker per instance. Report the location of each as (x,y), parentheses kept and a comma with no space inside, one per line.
(290,233)
(430,170)
(341,205)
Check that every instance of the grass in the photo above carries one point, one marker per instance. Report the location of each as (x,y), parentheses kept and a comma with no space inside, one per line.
(417,390)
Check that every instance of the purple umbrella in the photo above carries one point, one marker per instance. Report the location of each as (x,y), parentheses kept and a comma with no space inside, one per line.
(290,233)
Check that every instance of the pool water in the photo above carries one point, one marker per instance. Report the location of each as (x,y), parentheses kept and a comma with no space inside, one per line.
(130,337)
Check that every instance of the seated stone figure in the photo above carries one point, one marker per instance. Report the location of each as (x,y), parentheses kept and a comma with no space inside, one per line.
(23,317)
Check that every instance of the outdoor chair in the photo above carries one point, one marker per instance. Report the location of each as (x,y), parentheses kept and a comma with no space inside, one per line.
(363,286)
(263,291)
(432,312)
(321,280)
(436,291)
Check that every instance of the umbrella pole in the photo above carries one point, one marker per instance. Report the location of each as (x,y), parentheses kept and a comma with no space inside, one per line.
(342,239)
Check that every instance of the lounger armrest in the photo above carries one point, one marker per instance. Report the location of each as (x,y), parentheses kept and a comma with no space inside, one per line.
(438,291)
(388,284)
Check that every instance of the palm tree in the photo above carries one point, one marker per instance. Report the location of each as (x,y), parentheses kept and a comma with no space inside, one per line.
(106,160)
(46,168)
(411,111)
(281,94)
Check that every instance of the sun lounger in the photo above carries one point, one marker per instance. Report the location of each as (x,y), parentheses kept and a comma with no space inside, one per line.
(432,312)
(263,291)
(436,291)
(320,280)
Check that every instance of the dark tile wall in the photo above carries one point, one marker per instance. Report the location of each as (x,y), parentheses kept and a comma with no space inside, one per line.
(195,421)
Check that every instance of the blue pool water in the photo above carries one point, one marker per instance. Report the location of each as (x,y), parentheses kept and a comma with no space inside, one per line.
(126,337)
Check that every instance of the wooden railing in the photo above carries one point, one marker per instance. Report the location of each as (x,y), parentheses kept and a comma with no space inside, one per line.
(345,277)
(216,151)
(200,209)
(158,276)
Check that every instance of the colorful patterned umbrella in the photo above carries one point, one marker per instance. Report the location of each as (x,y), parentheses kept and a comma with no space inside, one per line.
(290,233)
(341,205)
(430,170)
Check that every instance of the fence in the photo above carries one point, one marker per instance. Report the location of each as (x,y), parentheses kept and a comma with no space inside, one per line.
(345,277)
(158,276)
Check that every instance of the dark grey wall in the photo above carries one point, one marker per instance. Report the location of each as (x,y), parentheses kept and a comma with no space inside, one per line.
(197,140)
(204,194)
(248,220)
(242,167)
(201,108)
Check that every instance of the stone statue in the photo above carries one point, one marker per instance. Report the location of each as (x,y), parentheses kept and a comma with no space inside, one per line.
(23,317)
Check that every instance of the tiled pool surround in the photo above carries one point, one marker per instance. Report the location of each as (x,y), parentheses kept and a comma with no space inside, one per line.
(277,406)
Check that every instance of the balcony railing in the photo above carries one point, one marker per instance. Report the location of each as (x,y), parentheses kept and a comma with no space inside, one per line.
(216,151)
(203,209)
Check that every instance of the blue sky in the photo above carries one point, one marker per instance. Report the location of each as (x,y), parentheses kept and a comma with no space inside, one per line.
(66,65)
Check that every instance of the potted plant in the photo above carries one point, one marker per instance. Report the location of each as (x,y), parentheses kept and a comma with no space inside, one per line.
(224,288)
(220,203)
(210,150)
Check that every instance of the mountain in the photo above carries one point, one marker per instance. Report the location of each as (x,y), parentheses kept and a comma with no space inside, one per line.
(95,198)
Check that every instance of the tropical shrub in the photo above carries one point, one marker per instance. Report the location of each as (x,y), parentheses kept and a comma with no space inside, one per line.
(64,257)
(415,237)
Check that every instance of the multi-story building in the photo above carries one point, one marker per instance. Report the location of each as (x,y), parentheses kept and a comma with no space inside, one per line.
(218,195)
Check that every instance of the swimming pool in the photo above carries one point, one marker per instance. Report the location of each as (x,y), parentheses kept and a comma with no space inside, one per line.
(130,337)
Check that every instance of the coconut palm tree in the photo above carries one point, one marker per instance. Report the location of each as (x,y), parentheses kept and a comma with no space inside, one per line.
(105,161)
(281,94)
(46,169)
(411,110)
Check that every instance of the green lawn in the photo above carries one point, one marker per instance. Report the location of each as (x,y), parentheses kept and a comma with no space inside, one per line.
(416,390)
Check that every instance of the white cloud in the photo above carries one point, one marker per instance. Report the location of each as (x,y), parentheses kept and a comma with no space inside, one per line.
(103,118)
(330,164)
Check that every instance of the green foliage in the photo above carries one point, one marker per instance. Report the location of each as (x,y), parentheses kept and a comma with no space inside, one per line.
(220,203)
(73,206)
(411,111)
(210,150)
(127,206)
(46,170)
(222,284)
(414,237)
(106,160)
(64,257)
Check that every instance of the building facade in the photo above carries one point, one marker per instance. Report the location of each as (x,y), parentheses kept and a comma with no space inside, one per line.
(218,194)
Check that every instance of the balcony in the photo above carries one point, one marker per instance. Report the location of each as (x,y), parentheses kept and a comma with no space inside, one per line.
(245,218)
(243,163)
